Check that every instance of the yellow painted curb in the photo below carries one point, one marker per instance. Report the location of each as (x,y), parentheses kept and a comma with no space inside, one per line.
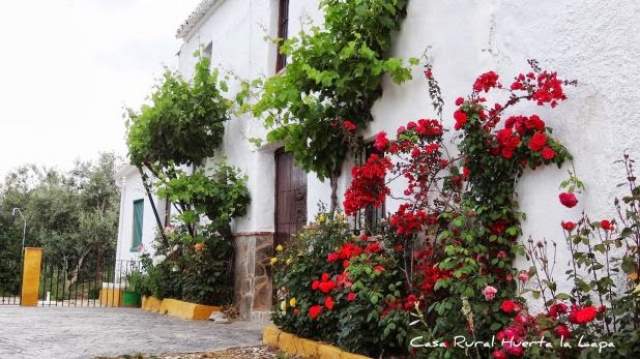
(110,297)
(326,351)
(151,304)
(270,336)
(274,337)
(178,308)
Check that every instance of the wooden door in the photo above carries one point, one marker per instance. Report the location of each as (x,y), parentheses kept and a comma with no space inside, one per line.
(291,197)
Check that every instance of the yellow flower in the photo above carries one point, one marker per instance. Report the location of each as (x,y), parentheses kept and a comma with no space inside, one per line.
(279,248)
(274,260)
(322,218)
(293,302)
(283,306)
(289,261)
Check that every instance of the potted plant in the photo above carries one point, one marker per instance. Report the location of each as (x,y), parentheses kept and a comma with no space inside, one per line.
(132,296)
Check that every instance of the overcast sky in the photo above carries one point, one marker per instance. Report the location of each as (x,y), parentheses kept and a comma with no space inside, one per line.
(67,69)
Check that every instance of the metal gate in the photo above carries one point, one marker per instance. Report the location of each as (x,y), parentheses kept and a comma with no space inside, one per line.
(94,283)
(10,276)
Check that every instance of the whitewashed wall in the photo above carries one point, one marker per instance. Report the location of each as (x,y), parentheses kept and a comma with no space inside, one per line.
(237,30)
(595,42)
(131,188)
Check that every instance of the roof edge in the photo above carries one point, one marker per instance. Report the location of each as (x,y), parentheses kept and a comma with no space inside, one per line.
(196,16)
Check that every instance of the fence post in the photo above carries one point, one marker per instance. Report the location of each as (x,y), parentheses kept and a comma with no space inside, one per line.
(31,276)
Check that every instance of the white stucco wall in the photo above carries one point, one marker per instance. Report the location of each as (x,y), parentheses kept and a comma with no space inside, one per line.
(236,30)
(592,41)
(131,188)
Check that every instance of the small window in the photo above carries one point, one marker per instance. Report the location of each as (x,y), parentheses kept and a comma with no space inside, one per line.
(283,32)
(370,218)
(138,215)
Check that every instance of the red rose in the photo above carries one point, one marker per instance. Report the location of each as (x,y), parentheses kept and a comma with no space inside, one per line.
(568,225)
(499,354)
(562,331)
(315,311)
(556,309)
(582,315)
(461,119)
(349,126)
(381,142)
(509,306)
(568,199)
(373,248)
(534,122)
(326,287)
(506,153)
(329,303)
(459,101)
(351,296)
(548,153)
(332,257)
(345,263)
(315,284)
(537,141)
(606,225)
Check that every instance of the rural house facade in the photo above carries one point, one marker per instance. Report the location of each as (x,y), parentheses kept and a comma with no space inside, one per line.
(597,123)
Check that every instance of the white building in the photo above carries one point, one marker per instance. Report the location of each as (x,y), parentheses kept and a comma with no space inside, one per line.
(592,41)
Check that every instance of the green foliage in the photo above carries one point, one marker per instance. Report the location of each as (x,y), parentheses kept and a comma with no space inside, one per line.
(73,216)
(196,269)
(335,74)
(371,323)
(184,124)
(220,196)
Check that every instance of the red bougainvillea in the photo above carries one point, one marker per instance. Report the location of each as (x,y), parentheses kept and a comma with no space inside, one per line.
(368,186)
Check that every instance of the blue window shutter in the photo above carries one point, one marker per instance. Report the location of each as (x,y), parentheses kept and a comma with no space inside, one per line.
(138,214)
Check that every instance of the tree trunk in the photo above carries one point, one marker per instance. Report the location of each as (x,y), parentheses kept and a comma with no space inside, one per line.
(333,180)
(69,281)
(152,202)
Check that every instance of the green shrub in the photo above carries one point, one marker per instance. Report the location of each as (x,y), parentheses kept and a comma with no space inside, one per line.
(362,310)
(196,269)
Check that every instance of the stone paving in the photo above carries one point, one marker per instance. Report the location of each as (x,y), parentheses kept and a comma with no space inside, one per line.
(73,333)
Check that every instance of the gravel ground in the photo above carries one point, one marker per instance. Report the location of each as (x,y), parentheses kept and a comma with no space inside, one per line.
(78,333)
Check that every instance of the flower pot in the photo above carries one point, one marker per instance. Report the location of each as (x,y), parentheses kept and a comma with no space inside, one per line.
(131,299)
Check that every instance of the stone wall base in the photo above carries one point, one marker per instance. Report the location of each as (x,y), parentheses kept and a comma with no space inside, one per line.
(253,291)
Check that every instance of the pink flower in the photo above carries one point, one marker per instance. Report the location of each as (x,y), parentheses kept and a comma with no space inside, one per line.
(489,292)
(523,276)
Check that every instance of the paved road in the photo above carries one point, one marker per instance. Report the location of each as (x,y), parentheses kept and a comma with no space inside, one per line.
(73,333)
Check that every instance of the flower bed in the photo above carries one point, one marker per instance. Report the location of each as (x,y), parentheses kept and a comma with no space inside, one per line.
(445,257)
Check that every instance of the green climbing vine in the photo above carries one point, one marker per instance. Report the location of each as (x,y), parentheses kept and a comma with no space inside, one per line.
(318,104)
